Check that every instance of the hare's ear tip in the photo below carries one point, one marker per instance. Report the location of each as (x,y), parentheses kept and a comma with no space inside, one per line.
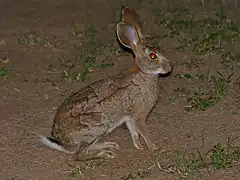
(123,7)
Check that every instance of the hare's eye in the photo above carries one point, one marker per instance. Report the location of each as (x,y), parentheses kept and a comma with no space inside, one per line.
(153,55)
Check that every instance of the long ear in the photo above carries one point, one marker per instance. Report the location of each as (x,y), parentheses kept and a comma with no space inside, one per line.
(131,17)
(128,35)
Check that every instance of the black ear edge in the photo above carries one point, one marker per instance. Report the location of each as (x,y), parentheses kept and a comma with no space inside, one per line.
(124,6)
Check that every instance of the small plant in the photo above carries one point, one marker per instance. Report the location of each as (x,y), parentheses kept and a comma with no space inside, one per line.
(50,68)
(130,176)
(51,42)
(4,72)
(218,157)
(77,32)
(205,95)
(86,63)
(79,169)
(2,43)
(192,164)
(199,37)
(30,38)
(205,98)
(188,164)
(77,68)
(229,59)
(76,171)
(224,157)
(141,173)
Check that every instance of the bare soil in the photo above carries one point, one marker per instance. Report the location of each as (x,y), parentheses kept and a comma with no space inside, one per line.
(28,102)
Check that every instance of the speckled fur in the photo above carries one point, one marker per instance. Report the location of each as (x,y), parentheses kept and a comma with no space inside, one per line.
(89,112)
(99,108)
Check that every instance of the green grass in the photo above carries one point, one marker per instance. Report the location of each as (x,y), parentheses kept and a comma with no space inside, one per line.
(199,38)
(218,157)
(140,173)
(204,96)
(2,43)
(71,68)
(4,72)
(32,38)
(192,164)
(76,68)
(76,170)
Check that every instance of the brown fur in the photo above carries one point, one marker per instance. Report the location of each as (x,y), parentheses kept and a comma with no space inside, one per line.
(99,108)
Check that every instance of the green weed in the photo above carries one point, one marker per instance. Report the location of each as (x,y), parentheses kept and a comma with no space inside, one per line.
(187,164)
(32,39)
(81,168)
(77,68)
(218,157)
(200,37)
(4,72)
(140,173)
(191,164)
(197,38)
(205,96)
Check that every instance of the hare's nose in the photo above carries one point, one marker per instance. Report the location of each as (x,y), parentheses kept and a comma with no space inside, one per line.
(170,68)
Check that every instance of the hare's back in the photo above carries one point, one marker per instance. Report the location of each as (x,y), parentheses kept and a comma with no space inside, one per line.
(83,113)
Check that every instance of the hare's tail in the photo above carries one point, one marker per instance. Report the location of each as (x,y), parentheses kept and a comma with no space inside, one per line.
(52,143)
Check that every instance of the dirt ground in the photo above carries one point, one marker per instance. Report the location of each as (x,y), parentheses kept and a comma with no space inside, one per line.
(28,100)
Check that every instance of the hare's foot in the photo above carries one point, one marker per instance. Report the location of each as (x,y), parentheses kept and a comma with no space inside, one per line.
(103,150)
(104,145)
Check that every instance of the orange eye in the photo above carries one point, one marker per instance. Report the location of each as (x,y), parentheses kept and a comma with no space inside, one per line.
(153,55)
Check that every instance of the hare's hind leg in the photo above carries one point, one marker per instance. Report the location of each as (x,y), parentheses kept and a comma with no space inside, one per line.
(99,150)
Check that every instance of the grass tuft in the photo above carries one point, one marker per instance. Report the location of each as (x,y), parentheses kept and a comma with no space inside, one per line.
(78,67)
(198,38)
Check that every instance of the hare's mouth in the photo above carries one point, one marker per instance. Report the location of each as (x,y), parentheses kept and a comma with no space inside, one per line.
(159,71)
(165,72)
(164,75)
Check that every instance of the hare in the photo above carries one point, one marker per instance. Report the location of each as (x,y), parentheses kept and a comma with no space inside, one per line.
(99,108)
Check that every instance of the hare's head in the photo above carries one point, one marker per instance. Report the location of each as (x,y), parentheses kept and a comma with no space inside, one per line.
(148,60)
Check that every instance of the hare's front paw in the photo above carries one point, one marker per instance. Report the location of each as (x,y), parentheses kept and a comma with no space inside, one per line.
(137,144)
(106,154)
(101,150)
(111,145)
